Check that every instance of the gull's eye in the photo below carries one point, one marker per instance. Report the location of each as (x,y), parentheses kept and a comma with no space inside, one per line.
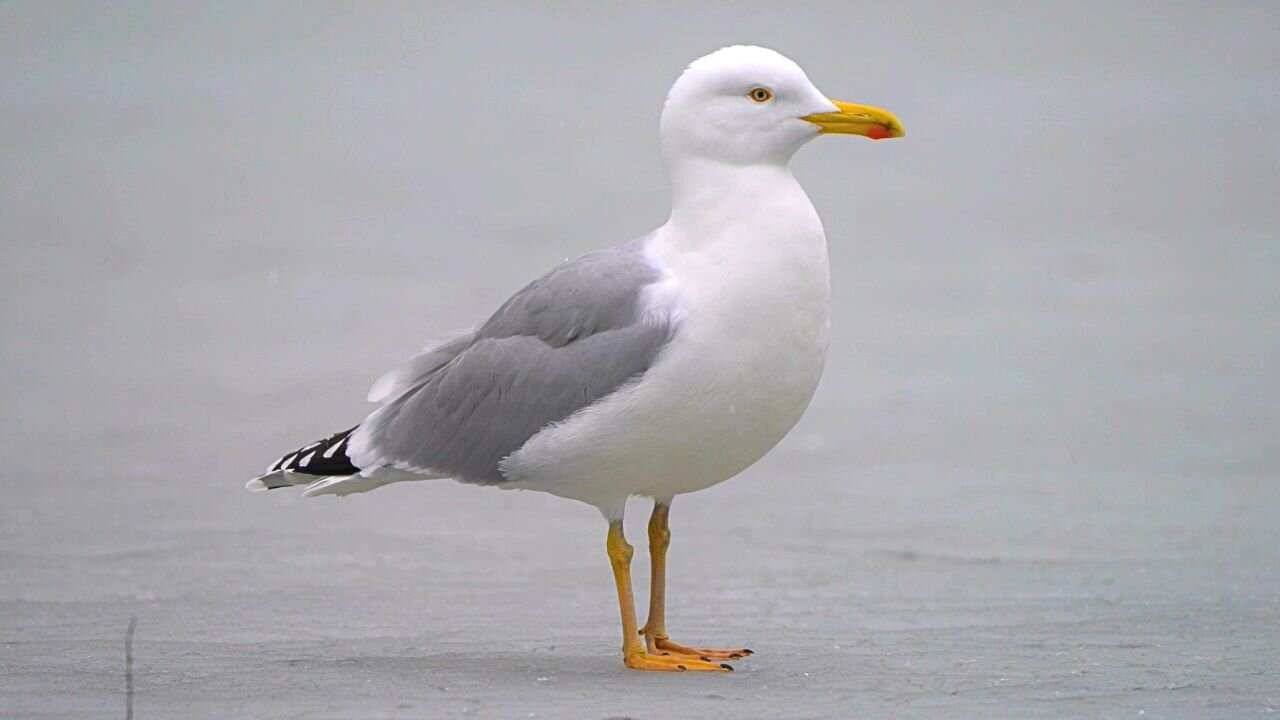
(760,95)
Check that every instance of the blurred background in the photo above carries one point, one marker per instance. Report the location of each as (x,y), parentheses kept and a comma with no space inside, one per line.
(1039,477)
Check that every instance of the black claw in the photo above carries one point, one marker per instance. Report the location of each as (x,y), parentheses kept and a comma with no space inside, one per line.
(735,656)
(727,666)
(682,667)
(749,652)
(704,658)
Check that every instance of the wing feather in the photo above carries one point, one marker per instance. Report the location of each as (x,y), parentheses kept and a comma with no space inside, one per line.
(565,341)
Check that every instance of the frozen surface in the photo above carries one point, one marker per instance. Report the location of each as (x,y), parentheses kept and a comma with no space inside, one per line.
(1039,480)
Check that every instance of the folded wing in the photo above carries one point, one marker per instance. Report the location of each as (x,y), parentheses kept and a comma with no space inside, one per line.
(563,342)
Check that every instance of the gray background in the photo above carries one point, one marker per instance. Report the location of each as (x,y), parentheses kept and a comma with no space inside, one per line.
(1039,478)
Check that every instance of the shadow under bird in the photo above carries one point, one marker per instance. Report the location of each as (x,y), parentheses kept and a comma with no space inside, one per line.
(655,368)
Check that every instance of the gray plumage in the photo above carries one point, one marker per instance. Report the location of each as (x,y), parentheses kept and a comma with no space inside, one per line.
(561,343)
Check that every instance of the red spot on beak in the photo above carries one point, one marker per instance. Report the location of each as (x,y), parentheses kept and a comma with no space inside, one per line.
(877,132)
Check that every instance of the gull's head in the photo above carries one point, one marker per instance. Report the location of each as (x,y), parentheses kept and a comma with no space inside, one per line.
(749,105)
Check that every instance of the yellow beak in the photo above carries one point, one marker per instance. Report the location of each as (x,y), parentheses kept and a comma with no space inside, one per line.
(861,120)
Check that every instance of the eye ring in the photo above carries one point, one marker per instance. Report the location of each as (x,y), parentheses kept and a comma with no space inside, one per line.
(760,95)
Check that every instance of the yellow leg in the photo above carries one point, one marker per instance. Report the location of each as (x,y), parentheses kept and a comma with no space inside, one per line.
(655,629)
(633,651)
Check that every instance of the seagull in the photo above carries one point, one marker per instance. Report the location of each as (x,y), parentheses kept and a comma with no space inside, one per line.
(658,367)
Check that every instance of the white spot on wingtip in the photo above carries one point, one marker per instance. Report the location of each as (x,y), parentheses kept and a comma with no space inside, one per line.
(307,459)
(334,447)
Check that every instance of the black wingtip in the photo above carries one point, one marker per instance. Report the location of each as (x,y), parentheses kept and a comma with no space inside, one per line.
(326,457)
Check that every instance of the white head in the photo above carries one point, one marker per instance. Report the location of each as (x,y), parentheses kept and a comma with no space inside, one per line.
(750,105)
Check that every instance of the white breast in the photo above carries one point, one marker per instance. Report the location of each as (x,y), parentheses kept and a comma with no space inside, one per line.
(751,300)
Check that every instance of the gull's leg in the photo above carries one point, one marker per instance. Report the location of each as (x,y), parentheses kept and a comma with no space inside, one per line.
(633,651)
(655,630)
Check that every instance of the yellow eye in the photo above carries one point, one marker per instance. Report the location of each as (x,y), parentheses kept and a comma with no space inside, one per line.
(760,95)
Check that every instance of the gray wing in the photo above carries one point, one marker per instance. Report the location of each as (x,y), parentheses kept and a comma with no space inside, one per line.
(563,342)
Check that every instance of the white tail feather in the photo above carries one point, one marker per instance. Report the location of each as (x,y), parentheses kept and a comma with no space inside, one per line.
(341,485)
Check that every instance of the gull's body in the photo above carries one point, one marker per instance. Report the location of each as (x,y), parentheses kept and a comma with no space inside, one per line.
(750,304)
(655,368)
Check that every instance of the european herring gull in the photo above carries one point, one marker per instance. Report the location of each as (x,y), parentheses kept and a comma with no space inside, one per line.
(655,368)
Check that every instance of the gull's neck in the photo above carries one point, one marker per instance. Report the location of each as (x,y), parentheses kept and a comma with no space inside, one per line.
(746,263)
(713,200)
